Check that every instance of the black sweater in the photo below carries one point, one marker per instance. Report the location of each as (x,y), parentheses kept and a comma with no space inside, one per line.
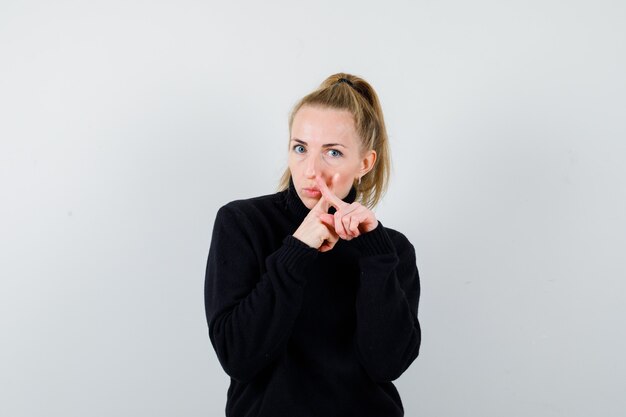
(303,333)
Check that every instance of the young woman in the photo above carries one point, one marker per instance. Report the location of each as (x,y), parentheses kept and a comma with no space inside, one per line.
(311,302)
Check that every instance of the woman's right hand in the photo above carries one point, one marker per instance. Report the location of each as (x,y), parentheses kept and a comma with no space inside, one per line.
(317,228)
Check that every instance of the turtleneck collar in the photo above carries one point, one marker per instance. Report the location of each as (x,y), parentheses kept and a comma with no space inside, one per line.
(297,207)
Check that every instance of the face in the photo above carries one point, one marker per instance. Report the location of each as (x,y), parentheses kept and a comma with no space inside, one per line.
(324,143)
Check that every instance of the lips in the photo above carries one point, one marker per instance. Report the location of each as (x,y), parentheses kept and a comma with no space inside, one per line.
(311,192)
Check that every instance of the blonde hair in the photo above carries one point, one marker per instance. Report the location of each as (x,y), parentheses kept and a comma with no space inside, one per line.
(348,92)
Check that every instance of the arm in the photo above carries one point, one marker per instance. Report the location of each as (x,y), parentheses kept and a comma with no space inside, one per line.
(388,334)
(250,313)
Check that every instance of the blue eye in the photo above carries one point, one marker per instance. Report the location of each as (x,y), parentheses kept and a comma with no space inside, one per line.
(335,153)
(298,148)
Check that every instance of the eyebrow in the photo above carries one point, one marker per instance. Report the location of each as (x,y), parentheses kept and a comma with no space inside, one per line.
(326,145)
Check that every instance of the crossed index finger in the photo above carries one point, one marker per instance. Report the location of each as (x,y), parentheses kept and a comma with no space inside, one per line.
(328,194)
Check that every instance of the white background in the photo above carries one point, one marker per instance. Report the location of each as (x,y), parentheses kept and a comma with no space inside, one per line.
(125,125)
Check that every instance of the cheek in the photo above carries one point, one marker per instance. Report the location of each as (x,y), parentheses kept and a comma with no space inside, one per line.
(345,169)
(346,184)
(348,171)
(343,185)
(293,163)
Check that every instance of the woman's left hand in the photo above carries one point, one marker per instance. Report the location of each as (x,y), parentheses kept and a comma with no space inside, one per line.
(351,220)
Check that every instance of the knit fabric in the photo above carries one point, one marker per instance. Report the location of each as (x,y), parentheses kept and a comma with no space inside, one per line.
(303,333)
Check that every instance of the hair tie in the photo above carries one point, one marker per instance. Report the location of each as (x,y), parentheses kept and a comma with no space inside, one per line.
(345,80)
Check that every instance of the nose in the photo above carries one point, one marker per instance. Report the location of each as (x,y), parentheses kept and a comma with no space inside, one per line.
(312,167)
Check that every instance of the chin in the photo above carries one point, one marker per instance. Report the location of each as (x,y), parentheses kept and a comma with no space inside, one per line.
(309,202)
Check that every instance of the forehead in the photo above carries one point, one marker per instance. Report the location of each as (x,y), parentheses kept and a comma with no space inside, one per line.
(317,124)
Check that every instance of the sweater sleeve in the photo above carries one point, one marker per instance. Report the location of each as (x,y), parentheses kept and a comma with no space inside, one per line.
(388,334)
(250,309)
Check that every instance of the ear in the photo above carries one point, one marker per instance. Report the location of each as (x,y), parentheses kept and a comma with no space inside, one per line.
(367,163)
